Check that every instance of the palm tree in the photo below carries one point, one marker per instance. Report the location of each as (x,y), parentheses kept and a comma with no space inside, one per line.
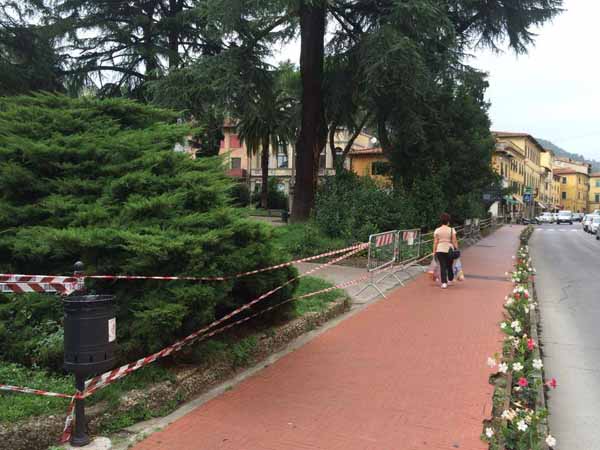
(267,122)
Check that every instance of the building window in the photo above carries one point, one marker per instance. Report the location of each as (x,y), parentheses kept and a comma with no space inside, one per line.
(380,168)
(597,198)
(236,163)
(597,183)
(322,160)
(564,195)
(564,180)
(282,156)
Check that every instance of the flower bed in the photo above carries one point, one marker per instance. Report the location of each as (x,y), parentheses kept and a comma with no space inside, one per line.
(519,415)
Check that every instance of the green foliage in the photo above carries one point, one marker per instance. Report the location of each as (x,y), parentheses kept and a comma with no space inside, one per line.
(305,239)
(99,181)
(240,192)
(318,302)
(351,207)
(14,407)
(276,199)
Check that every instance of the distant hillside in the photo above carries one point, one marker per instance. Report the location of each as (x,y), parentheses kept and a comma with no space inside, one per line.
(565,154)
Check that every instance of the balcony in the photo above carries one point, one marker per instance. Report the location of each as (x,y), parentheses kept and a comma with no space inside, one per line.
(237,173)
(288,172)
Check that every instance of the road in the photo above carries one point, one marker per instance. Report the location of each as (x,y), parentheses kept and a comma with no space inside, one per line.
(568,285)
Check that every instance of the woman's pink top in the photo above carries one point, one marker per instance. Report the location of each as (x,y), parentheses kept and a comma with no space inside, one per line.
(444,236)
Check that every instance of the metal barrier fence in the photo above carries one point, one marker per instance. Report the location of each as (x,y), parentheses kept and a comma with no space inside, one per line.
(398,250)
(476,230)
(409,246)
(383,251)
(409,250)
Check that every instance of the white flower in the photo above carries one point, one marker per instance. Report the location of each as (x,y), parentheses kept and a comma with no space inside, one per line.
(550,441)
(526,309)
(502,367)
(510,301)
(516,326)
(521,425)
(517,367)
(508,414)
(537,364)
(489,433)
(503,325)
(491,362)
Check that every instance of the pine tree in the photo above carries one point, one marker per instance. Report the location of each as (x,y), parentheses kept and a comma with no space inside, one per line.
(99,181)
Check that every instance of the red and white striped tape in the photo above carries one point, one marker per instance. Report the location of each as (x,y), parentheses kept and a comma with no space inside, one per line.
(11,283)
(19,284)
(385,239)
(113,375)
(26,390)
(107,378)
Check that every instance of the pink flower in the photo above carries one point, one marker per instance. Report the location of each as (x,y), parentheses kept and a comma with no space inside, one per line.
(526,295)
(552,383)
(523,382)
(530,344)
(517,296)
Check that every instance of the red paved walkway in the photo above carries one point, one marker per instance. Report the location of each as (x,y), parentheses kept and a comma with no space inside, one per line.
(406,373)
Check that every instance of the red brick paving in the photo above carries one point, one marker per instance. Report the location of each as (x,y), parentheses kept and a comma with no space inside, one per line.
(406,373)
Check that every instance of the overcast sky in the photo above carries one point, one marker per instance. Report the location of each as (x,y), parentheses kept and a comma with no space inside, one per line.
(554,91)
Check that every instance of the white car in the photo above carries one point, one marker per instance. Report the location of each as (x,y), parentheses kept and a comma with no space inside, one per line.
(594,226)
(586,222)
(564,217)
(546,217)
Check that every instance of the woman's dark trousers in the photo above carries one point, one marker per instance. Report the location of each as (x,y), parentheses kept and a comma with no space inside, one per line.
(446,270)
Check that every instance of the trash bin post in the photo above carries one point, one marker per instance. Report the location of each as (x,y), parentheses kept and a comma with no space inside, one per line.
(90,344)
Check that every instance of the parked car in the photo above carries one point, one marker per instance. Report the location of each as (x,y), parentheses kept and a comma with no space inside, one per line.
(565,217)
(555,216)
(586,222)
(546,217)
(578,217)
(595,225)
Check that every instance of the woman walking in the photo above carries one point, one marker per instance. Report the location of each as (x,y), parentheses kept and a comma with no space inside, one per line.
(444,241)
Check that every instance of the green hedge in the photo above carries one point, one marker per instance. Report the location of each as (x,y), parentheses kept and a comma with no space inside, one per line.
(99,181)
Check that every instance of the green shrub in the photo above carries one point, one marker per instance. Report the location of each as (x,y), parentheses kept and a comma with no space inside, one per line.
(276,199)
(99,181)
(352,207)
(240,194)
(305,239)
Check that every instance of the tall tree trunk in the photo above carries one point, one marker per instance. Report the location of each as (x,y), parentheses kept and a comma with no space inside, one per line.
(264,164)
(311,138)
(175,7)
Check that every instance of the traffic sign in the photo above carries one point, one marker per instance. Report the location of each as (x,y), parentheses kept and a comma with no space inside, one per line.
(527,197)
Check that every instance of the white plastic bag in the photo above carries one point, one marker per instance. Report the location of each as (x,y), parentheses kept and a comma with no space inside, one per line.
(458,269)
(434,269)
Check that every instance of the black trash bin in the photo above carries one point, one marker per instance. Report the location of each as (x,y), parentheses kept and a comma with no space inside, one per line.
(90,334)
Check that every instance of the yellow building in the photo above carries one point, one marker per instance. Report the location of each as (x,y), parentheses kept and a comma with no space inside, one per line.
(574,190)
(370,162)
(281,159)
(523,170)
(556,183)
(548,194)
(594,196)
(508,162)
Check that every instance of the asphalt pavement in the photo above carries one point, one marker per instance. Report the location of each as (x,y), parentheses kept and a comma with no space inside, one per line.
(568,285)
